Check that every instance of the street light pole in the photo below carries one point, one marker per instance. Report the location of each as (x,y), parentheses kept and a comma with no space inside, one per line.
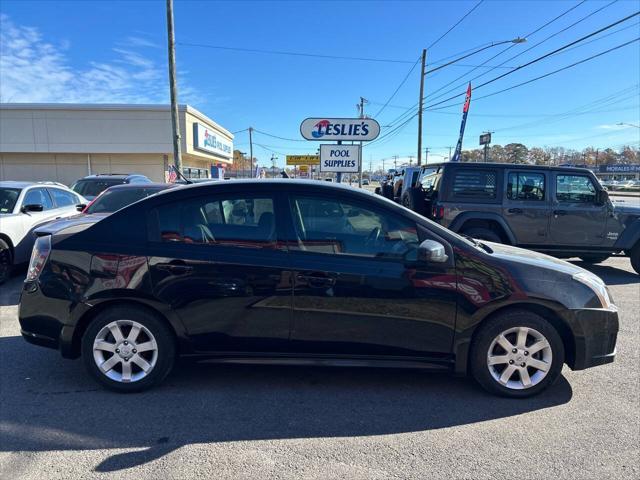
(173,89)
(251,151)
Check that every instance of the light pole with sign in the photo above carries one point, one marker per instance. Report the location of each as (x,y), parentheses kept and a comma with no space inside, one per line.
(485,139)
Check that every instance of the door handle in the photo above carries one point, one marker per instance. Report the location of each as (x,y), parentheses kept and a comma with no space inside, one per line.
(175,268)
(515,210)
(316,280)
(559,212)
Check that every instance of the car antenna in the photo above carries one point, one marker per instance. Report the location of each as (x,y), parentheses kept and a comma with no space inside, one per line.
(186,180)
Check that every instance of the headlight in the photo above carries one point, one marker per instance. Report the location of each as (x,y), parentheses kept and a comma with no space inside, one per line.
(597,286)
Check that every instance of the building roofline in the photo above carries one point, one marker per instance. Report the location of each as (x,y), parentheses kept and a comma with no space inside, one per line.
(114,107)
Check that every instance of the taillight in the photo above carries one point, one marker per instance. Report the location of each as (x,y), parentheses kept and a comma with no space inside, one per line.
(437,212)
(39,256)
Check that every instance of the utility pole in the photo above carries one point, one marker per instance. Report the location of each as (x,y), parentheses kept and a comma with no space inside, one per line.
(361,106)
(597,153)
(395,162)
(251,152)
(426,155)
(410,159)
(173,89)
(450,153)
(420,104)
(273,165)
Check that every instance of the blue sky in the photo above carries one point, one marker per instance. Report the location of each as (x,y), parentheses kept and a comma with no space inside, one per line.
(115,51)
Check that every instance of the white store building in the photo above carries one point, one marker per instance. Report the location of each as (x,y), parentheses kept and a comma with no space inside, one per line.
(65,142)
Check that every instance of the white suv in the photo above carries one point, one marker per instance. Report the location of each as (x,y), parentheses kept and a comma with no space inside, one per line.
(24,206)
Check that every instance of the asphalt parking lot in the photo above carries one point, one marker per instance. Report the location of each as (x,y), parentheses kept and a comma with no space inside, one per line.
(299,422)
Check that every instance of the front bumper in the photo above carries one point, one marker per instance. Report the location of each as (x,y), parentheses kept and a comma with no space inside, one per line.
(595,334)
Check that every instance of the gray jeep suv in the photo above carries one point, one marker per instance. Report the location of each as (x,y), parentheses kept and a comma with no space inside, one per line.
(561,211)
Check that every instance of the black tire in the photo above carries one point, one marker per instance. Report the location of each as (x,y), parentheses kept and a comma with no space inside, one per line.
(413,199)
(163,336)
(387,191)
(6,261)
(377,191)
(482,234)
(593,258)
(635,258)
(482,341)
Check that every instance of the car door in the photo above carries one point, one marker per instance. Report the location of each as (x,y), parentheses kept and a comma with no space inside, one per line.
(358,289)
(526,207)
(217,261)
(576,217)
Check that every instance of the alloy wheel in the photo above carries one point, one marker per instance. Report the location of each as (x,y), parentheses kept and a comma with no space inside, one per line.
(519,358)
(125,351)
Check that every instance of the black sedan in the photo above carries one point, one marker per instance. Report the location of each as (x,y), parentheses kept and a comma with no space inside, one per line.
(284,271)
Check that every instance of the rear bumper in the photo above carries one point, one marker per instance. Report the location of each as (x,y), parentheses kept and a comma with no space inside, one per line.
(44,321)
(595,334)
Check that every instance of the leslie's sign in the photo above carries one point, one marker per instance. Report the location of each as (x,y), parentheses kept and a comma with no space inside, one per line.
(362,129)
(205,139)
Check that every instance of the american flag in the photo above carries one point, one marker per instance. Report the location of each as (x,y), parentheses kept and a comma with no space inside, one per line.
(173,174)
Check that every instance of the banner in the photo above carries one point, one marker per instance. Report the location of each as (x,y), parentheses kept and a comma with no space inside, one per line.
(465,111)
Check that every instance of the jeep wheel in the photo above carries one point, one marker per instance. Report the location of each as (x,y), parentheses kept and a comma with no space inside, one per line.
(593,258)
(6,261)
(635,258)
(413,200)
(516,354)
(482,234)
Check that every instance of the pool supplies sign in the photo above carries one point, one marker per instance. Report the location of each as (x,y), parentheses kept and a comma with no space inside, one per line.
(208,141)
(339,129)
(340,158)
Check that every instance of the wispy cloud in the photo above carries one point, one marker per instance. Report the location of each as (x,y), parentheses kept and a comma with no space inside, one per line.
(33,69)
(611,126)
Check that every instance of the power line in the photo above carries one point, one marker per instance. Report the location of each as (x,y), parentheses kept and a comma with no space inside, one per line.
(455,25)
(279,137)
(431,94)
(522,52)
(398,88)
(536,60)
(293,54)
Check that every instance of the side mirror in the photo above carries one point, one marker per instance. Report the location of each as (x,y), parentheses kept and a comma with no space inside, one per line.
(80,207)
(32,207)
(602,197)
(431,251)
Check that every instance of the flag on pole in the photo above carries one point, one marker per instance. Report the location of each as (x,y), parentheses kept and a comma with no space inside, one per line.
(173,174)
(465,111)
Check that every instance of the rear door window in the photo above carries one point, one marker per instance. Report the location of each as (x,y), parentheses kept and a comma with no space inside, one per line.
(474,184)
(244,222)
(63,198)
(526,186)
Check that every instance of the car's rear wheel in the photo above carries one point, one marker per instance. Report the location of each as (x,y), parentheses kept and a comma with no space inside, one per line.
(516,354)
(482,234)
(128,349)
(593,258)
(6,261)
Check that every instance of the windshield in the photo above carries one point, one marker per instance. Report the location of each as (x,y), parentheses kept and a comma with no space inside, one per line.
(113,200)
(93,188)
(8,199)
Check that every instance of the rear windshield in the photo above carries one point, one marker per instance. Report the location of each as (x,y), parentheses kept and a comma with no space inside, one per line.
(94,187)
(113,200)
(8,199)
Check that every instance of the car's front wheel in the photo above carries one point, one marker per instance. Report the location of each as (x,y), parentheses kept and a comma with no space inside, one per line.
(128,349)
(516,354)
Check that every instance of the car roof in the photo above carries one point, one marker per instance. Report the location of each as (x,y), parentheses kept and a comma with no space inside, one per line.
(146,186)
(25,184)
(116,176)
(524,166)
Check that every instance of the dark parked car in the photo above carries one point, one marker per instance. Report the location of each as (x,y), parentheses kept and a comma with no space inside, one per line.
(93,185)
(286,271)
(109,201)
(560,211)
